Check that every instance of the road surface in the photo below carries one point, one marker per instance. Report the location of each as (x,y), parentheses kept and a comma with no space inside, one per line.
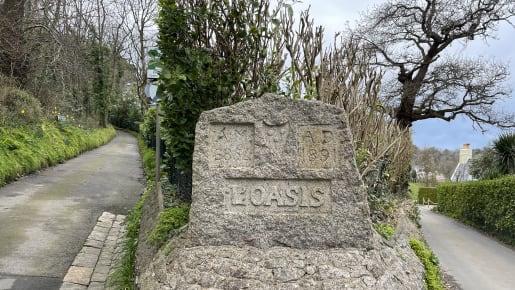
(475,260)
(46,217)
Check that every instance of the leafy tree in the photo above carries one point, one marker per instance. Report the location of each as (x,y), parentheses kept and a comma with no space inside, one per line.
(410,37)
(485,165)
(213,53)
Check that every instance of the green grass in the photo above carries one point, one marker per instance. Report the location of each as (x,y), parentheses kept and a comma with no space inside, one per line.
(413,190)
(26,149)
(124,276)
(433,276)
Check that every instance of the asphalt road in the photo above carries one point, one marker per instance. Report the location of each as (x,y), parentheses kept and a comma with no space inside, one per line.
(46,217)
(475,260)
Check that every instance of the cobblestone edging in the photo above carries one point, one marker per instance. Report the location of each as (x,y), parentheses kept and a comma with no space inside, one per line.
(97,258)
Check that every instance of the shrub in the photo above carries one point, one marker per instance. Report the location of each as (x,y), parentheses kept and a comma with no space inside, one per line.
(18,107)
(504,147)
(427,195)
(6,81)
(148,128)
(486,204)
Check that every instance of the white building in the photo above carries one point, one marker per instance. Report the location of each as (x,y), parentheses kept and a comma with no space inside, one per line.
(461,173)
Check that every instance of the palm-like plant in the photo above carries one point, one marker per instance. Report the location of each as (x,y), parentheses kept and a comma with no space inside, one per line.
(504,148)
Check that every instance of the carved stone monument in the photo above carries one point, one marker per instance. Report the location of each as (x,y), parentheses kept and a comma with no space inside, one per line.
(278,203)
(277,172)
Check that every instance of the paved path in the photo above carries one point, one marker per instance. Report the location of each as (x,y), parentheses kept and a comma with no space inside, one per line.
(46,217)
(476,261)
(99,257)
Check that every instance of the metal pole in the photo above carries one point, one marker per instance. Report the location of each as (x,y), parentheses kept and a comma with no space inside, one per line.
(158,161)
(158,143)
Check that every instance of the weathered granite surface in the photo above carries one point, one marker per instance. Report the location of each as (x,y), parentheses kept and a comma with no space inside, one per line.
(277,172)
(230,267)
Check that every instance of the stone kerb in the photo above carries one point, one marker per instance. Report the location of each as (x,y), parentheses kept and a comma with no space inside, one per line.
(277,172)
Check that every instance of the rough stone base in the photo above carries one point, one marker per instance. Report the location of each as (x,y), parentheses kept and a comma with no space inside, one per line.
(228,267)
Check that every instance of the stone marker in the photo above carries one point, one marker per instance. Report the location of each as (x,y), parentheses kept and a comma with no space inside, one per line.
(277,172)
(278,204)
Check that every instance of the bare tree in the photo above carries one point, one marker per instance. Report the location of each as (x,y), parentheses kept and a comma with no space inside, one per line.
(341,75)
(426,159)
(142,28)
(410,38)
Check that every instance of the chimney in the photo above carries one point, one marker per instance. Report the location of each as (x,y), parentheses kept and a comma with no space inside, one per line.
(465,154)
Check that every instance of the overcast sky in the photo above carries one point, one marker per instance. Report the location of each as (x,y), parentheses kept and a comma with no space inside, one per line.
(335,15)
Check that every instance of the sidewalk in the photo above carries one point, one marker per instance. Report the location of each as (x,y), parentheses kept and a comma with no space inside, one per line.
(98,256)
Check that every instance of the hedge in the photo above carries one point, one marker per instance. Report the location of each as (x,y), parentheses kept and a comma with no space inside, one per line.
(487,204)
(427,195)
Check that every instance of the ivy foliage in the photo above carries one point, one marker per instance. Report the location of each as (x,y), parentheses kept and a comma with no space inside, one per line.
(213,54)
(101,83)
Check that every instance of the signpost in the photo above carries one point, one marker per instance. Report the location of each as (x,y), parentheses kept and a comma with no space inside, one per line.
(153,70)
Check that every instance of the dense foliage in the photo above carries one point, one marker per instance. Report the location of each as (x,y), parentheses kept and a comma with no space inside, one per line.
(497,160)
(18,107)
(125,112)
(487,204)
(147,128)
(26,149)
(484,166)
(213,54)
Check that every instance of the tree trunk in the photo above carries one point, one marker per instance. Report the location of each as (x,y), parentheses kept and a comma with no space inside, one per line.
(404,114)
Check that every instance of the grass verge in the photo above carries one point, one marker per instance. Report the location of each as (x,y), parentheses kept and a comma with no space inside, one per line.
(124,276)
(433,276)
(26,149)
